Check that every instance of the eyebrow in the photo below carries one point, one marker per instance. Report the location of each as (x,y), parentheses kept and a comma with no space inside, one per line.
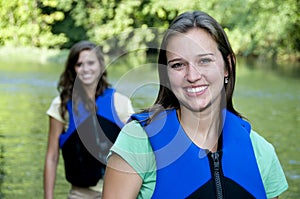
(173,60)
(180,58)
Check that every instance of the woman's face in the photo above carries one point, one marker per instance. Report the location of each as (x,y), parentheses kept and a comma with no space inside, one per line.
(88,68)
(195,69)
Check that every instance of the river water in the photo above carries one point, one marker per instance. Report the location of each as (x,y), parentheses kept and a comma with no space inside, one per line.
(268,97)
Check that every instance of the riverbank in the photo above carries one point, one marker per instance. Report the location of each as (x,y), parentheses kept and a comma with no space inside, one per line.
(32,55)
(57,56)
(44,55)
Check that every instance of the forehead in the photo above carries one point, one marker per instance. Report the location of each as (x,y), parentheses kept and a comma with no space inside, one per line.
(195,40)
(87,54)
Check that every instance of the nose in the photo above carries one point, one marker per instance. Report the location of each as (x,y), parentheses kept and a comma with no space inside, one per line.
(84,67)
(193,73)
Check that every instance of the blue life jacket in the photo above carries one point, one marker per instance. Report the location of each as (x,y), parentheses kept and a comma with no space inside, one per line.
(186,171)
(86,142)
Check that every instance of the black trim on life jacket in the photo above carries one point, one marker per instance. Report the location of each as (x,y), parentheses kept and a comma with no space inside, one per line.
(87,141)
(83,167)
(225,188)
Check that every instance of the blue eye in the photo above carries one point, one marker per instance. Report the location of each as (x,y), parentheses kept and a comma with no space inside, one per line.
(205,60)
(177,66)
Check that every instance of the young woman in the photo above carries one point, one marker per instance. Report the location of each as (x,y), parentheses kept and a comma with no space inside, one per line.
(192,143)
(84,122)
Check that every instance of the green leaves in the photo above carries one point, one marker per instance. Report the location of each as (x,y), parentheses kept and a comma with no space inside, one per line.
(255,27)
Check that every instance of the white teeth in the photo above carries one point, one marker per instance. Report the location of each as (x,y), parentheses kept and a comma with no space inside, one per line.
(86,76)
(196,89)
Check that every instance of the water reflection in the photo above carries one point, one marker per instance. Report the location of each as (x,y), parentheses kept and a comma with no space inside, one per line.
(270,101)
(287,69)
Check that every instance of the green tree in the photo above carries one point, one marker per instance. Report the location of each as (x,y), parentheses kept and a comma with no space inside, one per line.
(261,28)
(22,24)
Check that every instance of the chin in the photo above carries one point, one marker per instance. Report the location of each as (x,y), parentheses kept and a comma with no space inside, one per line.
(201,107)
(87,82)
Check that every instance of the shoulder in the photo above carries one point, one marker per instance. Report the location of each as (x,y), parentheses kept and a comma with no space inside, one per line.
(133,130)
(56,100)
(120,97)
(132,139)
(269,166)
(123,106)
(55,104)
(260,144)
(264,150)
(133,146)
(54,109)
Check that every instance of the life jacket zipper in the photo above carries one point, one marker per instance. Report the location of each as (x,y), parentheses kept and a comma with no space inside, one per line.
(217,174)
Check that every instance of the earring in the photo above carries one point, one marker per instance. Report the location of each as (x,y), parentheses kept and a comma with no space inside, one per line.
(226,80)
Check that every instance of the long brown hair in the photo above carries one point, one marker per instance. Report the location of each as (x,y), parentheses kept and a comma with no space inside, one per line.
(182,24)
(66,85)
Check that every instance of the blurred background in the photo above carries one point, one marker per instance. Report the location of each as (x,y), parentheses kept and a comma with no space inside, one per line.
(35,36)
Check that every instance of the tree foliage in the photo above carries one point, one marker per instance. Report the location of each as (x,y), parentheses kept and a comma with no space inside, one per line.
(255,27)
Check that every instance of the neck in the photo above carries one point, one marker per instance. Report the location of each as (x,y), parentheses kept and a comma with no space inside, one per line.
(90,91)
(203,128)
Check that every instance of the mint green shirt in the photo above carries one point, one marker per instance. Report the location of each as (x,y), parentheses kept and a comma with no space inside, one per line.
(133,146)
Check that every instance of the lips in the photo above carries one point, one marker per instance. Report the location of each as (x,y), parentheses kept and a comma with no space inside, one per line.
(196,89)
(86,76)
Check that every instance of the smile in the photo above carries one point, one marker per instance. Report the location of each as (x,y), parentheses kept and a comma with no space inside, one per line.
(196,89)
(86,76)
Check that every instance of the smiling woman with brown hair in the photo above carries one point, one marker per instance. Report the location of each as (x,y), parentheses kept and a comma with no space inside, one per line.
(192,143)
(84,121)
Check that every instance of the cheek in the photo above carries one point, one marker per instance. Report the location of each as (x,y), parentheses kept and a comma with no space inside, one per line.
(176,85)
(77,70)
(216,79)
(97,69)
(217,73)
(174,78)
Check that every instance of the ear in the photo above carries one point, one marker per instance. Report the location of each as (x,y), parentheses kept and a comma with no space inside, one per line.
(230,58)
